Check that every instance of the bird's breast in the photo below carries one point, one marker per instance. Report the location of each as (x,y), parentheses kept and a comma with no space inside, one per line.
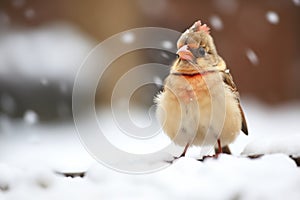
(188,89)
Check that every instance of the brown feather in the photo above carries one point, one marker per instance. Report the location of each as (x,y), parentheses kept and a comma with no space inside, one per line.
(244,123)
(229,82)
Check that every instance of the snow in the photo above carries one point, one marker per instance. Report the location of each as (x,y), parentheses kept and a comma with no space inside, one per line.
(127,37)
(56,147)
(251,55)
(31,117)
(167,44)
(231,177)
(125,136)
(272,17)
(296,2)
(33,156)
(29,13)
(53,51)
(158,81)
(275,144)
(164,55)
(44,81)
(216,22)
(274,130)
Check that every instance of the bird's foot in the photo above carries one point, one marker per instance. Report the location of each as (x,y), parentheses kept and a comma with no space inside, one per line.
(209,156)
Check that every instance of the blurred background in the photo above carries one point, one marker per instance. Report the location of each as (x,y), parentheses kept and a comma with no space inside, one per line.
(43,43)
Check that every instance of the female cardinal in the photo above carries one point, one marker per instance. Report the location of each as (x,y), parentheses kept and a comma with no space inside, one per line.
(200,103)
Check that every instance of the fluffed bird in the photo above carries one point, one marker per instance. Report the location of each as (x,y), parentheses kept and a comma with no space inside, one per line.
(200,104)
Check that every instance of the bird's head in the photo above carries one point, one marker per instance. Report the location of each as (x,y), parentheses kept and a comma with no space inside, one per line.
(197,51)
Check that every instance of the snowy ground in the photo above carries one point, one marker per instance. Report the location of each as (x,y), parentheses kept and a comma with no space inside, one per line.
(32,154)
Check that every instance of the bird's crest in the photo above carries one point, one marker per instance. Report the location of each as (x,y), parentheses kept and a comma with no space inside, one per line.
(197,27)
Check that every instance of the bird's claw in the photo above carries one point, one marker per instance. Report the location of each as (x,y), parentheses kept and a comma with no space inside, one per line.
(208,156)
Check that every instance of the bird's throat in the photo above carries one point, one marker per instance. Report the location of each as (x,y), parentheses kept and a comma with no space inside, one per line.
(185,68)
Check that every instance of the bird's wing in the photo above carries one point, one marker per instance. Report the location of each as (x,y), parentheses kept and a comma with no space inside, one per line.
(229,82)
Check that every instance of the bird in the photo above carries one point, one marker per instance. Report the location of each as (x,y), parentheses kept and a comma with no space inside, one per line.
(200,104)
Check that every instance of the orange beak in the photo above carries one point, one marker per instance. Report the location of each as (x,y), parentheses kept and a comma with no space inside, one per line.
(184,53)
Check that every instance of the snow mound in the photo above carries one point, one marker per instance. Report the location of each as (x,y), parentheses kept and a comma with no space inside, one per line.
(227,177)
(288,145)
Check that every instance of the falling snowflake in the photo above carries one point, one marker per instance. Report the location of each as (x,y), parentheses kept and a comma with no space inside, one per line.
(272,17)
(29,13)
(127,38)
(216,22)
(167,44)
(30,117)
(251,55)
(44,81)
(165,55)
(157,80)
(296,2)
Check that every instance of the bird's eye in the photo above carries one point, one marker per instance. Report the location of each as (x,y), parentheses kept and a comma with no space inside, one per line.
(201,51)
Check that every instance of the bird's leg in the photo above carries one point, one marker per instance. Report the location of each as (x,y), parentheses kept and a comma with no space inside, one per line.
(181,155)
(184,151)
(220,150)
